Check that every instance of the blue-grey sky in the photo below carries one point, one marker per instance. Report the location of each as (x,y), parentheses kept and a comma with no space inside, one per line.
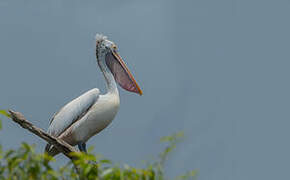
(218,70)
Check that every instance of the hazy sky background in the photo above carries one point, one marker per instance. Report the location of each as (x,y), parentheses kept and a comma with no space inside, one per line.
(218,70)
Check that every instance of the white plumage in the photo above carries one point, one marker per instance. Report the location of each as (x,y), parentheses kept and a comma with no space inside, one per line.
(91,112)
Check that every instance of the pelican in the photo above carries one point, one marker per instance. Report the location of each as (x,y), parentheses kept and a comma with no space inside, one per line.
(91,112)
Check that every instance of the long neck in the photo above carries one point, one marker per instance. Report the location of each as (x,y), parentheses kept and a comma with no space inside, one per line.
(110,80)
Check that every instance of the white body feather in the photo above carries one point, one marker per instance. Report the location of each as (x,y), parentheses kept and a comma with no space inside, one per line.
(83,117)
(98,117)
(91,112)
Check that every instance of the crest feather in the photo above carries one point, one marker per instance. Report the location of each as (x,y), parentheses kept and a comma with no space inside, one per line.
(100,38)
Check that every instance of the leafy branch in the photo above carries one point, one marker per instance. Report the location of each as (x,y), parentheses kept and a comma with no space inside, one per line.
(25,163)
(4,113)
(61,145)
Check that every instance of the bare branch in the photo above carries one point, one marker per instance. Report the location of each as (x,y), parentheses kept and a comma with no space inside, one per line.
(61,145)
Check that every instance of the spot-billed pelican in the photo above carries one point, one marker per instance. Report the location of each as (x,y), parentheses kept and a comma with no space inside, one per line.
(91,112)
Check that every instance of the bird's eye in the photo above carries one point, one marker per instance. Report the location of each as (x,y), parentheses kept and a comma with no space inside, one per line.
(114,47)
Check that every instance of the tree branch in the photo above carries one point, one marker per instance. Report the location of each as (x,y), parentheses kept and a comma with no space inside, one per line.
(61,145)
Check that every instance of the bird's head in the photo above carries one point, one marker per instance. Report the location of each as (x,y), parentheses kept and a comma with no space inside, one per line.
(107,53)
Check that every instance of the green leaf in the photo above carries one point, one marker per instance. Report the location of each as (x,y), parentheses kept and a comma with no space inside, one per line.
(188,175)
(90,149)
(105,161)
(173,138)
(8,153)
(4,113)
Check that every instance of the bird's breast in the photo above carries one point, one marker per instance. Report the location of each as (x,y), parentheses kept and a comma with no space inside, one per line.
(98,117)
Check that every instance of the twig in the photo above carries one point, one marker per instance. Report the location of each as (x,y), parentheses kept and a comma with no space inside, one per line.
(61,145)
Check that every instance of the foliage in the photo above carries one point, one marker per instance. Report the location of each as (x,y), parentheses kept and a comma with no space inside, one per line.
(4,113)
(25,163)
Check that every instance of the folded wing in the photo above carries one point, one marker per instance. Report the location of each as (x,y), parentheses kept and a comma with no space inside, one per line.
(72,112)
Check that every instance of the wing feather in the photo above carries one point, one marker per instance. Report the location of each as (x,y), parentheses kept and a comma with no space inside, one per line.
(72,111)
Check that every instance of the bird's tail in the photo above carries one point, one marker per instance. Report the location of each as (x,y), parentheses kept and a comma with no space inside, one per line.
(51,150)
